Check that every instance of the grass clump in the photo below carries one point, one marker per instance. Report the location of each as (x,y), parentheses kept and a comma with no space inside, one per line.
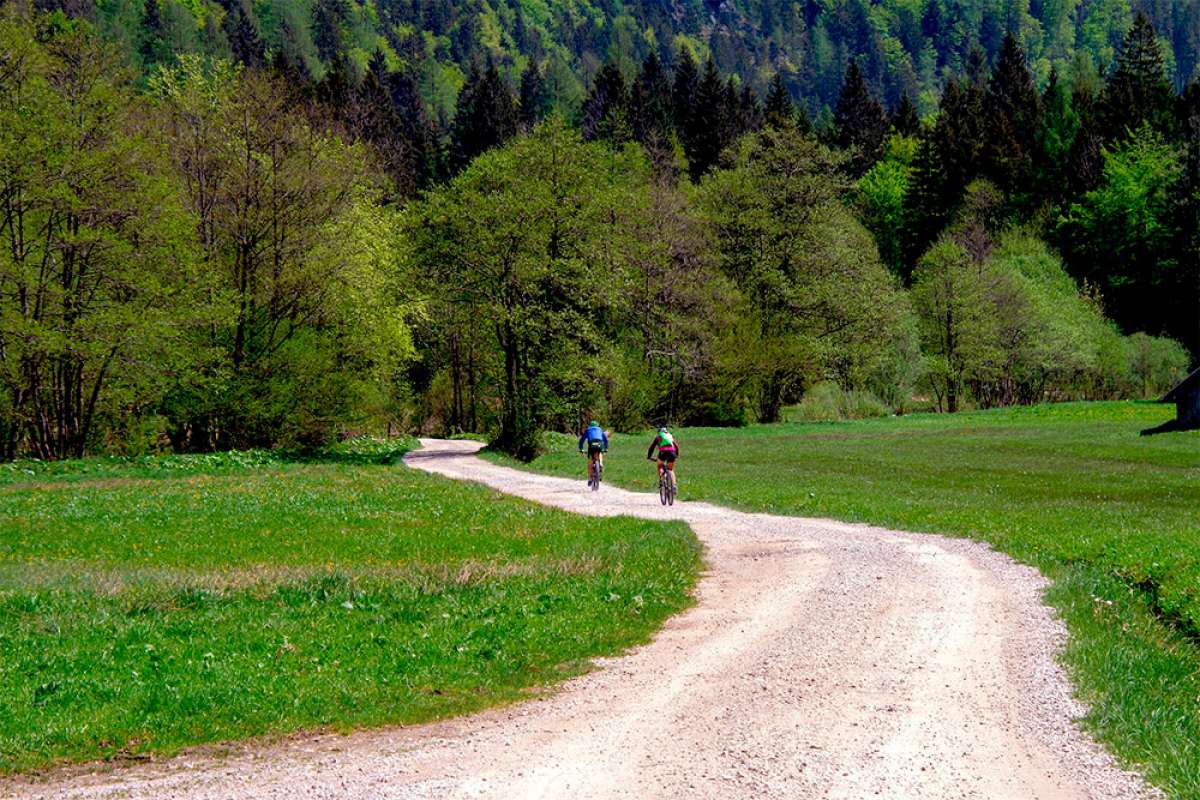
(1072,489)
(172,606)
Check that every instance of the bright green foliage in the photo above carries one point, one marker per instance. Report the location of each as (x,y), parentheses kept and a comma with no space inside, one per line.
(1070,488)
(199,605)
(309,326)
(881,199)
(1013,327)
(96,275)
(1157,363)
(532,239)
(949,294)
(816,299)
(1122,229)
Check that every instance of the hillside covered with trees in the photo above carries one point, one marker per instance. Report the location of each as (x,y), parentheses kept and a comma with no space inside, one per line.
(269,224)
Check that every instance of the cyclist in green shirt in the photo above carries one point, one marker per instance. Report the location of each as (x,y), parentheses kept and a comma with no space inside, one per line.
(668,450)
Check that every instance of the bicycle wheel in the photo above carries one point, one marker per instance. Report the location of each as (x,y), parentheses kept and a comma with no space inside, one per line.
(594,476)
(662,488)
(672,487)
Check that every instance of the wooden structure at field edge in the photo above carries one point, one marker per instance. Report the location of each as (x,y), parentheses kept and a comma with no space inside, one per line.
(1186,397)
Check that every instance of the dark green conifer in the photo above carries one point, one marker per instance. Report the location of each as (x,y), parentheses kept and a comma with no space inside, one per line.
(241,29)
(153,47)
(650,103)
(1012,109)
(328,18)
(485,116)
(904,119)
(535,97)
(706,133)
(859,121)
(606,108)
(1137,89)
(780,111)
(683,90)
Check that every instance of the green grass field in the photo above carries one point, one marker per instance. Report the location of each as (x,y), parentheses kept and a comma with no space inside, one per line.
(1112,518)
(149,604)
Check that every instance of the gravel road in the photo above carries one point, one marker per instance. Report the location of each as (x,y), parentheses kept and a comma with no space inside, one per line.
(822,660)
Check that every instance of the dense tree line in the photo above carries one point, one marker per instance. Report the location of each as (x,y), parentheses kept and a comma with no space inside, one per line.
(265,250)
(903,47)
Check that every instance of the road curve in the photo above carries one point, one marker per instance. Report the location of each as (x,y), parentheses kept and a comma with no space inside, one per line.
(822,660)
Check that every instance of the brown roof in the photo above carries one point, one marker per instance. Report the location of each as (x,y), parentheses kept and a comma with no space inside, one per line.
(1189,384)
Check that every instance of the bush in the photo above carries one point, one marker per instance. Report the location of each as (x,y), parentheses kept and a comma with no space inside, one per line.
(1157,363)
(827,402)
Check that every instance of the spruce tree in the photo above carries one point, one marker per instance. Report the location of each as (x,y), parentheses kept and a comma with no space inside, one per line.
(328,18)
(650,103)
(241,30)
(417,127)
(750,113)
(1013,110)
(1137,90)
(485,116)
(904,119)
(683,90)
(706,133)
(780,111)
(606,109)
(535,97)
(153,47)
(859,121)
(1056,132)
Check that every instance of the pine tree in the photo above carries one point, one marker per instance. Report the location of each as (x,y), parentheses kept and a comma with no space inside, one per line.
(485,116)
(650,104)
(606,109)
(535,98)
(750,113)
(328,19)
(904,119)
(1013,110)
(947,160)
(859,121)
(154,47)
(1057,129)
(242,32)
(706,133)
(780,111)
(1137,90)
(418,129)
(683,90)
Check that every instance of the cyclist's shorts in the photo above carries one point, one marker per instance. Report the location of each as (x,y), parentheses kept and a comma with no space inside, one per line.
(667,454)
(595,448)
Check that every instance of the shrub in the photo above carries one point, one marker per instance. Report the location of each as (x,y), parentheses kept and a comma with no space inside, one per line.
(827,402)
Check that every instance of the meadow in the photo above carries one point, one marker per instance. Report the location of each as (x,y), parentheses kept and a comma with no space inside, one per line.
(149,604)
(1112,518)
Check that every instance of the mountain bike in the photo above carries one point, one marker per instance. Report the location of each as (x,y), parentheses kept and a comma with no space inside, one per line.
(667,487)
(594,473)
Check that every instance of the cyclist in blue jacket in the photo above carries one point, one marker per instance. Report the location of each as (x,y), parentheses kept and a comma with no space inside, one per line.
(595,440)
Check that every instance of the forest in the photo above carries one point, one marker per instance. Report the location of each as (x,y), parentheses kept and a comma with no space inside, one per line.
(272,225)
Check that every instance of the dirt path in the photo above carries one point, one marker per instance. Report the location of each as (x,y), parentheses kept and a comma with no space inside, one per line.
(823,660)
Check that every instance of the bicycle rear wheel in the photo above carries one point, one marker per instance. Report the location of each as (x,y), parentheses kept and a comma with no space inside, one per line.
(672,487)
(594,476)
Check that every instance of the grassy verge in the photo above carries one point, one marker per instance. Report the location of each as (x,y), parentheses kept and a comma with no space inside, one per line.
(1110,516)
(146,605)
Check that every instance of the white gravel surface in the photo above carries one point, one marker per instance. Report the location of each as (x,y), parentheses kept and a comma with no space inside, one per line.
(822,660)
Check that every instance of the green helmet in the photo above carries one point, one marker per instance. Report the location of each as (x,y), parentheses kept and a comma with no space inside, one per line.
(594,424)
